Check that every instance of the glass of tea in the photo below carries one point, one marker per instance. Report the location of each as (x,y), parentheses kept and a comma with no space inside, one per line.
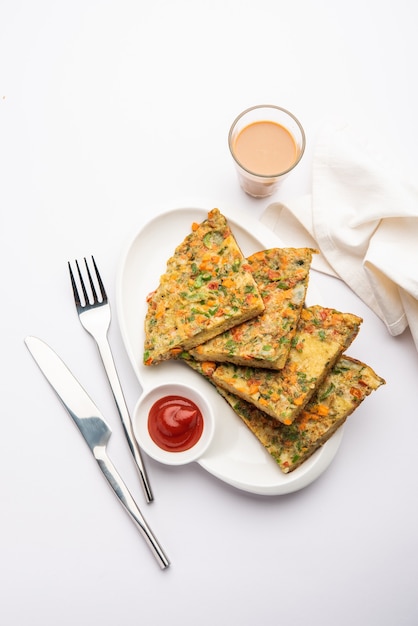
(266,143)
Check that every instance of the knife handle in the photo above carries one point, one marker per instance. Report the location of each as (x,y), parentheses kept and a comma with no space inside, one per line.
(130,505)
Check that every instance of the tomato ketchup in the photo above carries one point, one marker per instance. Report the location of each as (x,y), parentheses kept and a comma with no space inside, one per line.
(175,423)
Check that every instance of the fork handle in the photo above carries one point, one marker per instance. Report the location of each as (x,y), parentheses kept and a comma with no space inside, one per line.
(110,368)
(129,504)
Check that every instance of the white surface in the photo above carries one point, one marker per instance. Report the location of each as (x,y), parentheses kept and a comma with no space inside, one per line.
(112,112)
(234,456)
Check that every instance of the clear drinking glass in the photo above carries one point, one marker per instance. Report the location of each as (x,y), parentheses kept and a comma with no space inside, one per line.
(255,178)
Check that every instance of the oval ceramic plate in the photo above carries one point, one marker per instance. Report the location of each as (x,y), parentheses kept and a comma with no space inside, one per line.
(235,455)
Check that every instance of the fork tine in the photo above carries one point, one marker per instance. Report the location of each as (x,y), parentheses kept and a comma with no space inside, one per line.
(74,286)
(99,280)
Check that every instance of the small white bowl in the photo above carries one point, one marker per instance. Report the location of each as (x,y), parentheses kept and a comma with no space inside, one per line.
(140,424)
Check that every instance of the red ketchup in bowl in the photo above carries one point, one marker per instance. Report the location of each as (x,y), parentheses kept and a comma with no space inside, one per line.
(175,423)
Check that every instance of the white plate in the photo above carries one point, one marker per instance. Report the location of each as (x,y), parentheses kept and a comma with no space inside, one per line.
(235,455)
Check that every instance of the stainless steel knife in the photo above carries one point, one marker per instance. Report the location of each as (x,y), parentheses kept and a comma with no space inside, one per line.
(95,431)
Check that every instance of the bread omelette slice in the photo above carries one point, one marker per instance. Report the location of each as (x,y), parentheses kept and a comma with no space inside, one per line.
(282,276)
(323,334)
(206,289)
(345,387)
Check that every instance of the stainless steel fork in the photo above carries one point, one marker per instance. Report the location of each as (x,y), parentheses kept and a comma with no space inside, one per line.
(95,317)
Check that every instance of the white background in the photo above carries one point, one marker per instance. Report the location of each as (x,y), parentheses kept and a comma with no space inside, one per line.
(110,112)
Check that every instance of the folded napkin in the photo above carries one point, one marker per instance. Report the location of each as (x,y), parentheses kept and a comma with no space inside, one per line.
(364,220)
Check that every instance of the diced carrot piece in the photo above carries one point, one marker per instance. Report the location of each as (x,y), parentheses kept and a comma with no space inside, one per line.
(355,392)
(208,367)
(298,401)
(322,410)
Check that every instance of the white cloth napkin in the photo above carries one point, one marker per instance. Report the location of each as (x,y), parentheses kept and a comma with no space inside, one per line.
(364,220)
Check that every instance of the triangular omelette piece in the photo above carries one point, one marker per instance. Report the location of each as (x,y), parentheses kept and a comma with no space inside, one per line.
(322,336)
(207,288)
(282,276)
(342,391)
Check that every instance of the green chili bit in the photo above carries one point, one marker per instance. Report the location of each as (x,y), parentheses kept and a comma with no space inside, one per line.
(212,238)
(202,279)
(327,392)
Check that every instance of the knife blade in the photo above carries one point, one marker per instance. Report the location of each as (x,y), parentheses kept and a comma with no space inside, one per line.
(95,431)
